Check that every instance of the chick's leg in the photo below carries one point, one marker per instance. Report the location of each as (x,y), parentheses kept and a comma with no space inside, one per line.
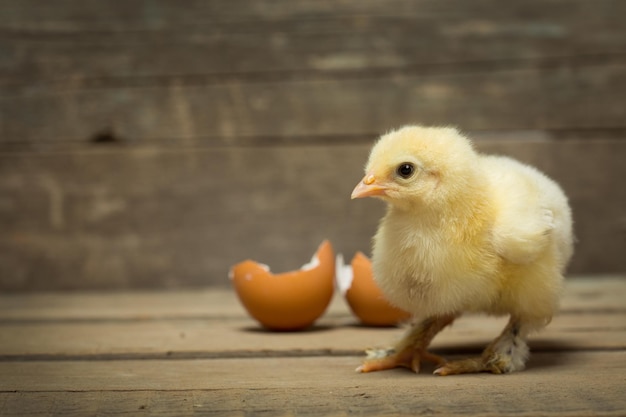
(507,353)
(411,350)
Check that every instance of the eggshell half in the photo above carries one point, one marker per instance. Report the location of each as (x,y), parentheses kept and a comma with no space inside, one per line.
(287,301)
(365,298)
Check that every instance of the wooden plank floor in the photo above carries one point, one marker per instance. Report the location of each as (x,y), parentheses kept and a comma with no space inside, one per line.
(196,352)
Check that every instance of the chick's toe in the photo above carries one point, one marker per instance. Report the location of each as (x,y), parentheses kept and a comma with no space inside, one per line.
(381,359)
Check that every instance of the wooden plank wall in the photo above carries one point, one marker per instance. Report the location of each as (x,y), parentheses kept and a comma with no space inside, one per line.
(155,143)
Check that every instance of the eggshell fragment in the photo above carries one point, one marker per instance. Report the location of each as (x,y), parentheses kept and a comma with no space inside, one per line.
(287,301)
(365,298)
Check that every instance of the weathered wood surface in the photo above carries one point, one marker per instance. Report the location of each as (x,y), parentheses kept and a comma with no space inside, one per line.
(78,43)
(210,324)
(596,294)
(204,71)
(145,217)
(196,339)
(555,384)
(154,143)
(515,98)
(183,353)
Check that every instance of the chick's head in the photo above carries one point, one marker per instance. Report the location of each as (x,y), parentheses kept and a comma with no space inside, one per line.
(418,166)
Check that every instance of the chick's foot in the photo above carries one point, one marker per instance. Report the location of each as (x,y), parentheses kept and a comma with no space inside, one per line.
(508,353)
(411,350)
(381,359)
(494,363)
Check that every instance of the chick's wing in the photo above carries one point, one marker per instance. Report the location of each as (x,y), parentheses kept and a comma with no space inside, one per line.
(527,204)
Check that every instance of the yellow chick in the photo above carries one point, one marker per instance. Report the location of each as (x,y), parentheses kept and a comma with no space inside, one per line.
(464,232)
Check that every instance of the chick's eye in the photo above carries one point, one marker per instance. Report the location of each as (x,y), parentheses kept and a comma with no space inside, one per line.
(405,170)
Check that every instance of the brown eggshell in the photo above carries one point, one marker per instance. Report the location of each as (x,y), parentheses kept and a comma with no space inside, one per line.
(287,301)
(366,300)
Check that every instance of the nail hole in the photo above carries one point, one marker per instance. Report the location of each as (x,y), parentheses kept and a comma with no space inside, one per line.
(106,136)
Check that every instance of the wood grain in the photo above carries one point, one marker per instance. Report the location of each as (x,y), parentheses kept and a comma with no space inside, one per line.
(226,374)
(212,324)
(523,98)
(288,373)
(205,72)
(593,295)
(132,15)
(154,144)
(243,338)
(143,217)
(201,42)
(366,400)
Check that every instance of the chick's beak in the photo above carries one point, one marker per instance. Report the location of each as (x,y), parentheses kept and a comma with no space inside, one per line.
(368,187)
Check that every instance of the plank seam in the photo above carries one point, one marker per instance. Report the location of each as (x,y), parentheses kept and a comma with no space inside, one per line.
(264,354)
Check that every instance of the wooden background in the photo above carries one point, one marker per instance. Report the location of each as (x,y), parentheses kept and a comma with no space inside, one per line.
(153,143)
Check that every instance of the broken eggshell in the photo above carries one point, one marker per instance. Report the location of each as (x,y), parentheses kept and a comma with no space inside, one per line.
(365,298)
(287,301)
